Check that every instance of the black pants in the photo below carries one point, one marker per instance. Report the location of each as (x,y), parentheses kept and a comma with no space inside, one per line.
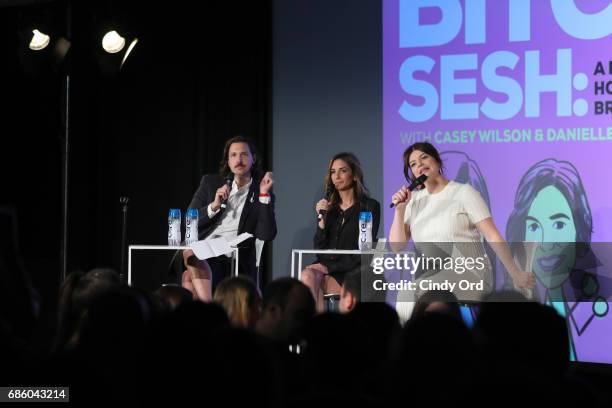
(222,267)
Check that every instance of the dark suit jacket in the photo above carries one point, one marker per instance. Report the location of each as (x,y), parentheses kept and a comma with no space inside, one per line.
(256,218)
(342,232)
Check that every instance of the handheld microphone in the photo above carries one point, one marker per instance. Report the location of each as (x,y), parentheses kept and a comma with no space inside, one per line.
(328,194)
(228,182)
(417,182)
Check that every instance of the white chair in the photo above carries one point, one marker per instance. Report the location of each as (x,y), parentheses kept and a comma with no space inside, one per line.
(259,245)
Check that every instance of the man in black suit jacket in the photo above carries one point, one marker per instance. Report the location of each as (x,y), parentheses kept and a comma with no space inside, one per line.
(246,206)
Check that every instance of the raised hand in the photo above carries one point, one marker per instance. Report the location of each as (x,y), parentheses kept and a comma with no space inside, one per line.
(401,198)
(266,183)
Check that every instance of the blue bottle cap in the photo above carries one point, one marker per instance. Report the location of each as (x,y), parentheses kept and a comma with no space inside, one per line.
(365,216)
(192,213)
(174,213)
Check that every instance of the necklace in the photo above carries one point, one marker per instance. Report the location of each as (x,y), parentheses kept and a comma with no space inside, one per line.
(347,205)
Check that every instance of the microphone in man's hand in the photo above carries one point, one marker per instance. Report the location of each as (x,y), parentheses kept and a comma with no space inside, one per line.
(328,193)
(417,182)
(228,182)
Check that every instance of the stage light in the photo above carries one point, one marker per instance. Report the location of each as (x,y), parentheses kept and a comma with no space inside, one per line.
(113,29)
(112,42)
(39,40)
(43,39)
(114,52)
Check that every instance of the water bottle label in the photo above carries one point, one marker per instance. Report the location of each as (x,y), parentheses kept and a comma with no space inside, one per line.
(191,226)
(174,232)
(191,232)
(187,230)
(365,230)
(191,236)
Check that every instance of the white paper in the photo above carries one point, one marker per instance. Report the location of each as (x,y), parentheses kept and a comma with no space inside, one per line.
(242,237)
(219,246)
(202,250)
(210,248)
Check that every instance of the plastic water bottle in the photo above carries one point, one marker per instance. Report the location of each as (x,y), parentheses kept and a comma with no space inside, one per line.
(365,230)
(174,227)
(191,226)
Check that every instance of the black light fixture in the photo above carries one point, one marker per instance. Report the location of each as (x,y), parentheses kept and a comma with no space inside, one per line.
(43,42)
(113,44)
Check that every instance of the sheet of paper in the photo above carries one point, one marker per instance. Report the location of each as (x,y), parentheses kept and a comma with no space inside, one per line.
(244,236)
(219,246)
(209,248)
(202,249)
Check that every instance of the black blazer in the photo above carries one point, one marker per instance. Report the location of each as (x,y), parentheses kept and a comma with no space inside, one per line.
(256,218)
(344,235)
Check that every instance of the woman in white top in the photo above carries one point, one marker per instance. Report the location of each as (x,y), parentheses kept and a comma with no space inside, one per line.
(444,211)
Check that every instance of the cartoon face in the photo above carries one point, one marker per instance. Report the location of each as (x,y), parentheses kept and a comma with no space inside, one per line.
(551,223)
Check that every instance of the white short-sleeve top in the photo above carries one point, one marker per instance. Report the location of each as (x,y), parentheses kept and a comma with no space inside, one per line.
(449,215)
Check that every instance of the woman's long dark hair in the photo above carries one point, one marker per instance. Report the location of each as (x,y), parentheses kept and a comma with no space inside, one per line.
(76,293)
(360,191)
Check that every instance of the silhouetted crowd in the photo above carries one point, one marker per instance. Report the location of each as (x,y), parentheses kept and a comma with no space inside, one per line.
(120,345)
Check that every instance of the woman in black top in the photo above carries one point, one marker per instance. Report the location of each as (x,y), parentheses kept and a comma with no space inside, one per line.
(339,228)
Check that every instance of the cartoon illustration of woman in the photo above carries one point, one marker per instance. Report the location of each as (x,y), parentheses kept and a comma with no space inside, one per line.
(460,167)
(551,208)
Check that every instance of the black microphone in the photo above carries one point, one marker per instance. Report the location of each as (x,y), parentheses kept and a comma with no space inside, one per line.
(228,182)
(417,182)
(328,193)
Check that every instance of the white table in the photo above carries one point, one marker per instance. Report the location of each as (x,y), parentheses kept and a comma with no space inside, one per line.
(164,247)
(380,249)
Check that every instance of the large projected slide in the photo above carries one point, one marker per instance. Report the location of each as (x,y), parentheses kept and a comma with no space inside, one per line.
(517,94)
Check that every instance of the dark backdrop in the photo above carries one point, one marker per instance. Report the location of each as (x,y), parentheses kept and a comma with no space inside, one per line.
(199,75)
(327,98)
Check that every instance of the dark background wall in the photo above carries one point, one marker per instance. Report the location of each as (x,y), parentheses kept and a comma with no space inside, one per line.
(198,76)
(327,98)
